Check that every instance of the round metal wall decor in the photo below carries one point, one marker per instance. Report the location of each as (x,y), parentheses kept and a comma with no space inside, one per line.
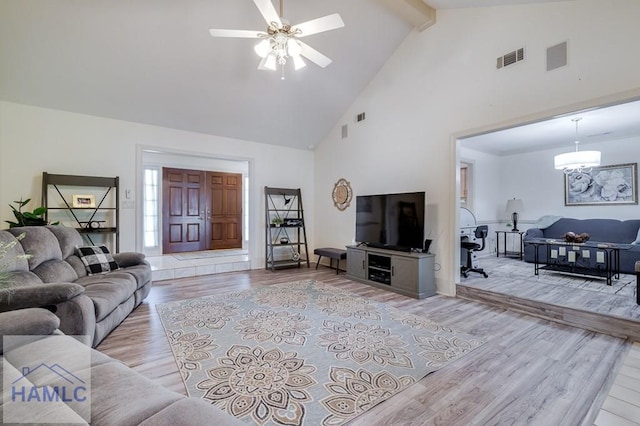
(342,194)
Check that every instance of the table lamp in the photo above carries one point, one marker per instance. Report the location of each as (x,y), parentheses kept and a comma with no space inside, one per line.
(514,206)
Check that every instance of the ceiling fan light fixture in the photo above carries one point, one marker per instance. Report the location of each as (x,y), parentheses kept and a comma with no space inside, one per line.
(293,48)
(263,48)
(298,62)
(270,63)
(279,43)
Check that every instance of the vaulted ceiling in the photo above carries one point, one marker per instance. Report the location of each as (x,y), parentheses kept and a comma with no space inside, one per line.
(154,62)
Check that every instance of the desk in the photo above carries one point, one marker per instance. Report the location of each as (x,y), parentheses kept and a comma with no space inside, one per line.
(505,252)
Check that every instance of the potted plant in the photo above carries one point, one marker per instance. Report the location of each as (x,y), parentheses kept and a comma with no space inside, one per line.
(34,218)
(277,221)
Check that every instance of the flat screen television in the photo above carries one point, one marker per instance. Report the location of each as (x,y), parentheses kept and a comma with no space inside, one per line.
(392,221)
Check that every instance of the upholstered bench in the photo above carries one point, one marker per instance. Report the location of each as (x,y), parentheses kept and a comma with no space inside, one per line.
(331,253)
(638,282)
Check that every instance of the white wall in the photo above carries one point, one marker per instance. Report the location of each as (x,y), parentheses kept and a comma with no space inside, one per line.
(532,178)
(443,82)
(485,185)
(33,140)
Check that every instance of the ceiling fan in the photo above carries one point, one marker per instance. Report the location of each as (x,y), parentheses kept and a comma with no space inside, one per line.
(281,39)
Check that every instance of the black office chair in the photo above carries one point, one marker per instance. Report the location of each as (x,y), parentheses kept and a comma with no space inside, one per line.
(481,232)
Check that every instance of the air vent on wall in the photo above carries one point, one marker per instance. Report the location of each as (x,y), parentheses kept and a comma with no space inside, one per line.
(557,56)
(360,117)
(510,58)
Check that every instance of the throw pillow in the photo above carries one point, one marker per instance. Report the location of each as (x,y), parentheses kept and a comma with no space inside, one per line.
(637,241)
(546,221)
(96,260)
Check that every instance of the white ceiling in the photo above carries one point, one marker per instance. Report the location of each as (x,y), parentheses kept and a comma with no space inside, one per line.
(154,62)
(596,125)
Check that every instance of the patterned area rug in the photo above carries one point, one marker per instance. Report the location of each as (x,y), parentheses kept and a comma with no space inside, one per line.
(303,352)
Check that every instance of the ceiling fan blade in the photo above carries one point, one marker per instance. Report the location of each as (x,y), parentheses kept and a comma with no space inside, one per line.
(268,12)
(326,23)
(313,55)
(237,33)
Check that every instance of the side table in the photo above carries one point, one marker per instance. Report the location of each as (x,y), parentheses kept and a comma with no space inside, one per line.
(505,252)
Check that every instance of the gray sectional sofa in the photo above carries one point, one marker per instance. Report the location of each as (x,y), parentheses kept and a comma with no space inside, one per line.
(110,393)
(54,276)
(600,231)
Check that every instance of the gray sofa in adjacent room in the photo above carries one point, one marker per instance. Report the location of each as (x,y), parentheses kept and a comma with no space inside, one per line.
(55,277)
(600,231)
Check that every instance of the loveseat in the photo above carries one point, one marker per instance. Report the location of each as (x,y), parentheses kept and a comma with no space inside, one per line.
(600,231)
(77,384)
(55,277)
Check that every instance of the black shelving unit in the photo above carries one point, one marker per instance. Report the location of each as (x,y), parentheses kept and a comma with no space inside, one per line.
(103,219)
(286,241)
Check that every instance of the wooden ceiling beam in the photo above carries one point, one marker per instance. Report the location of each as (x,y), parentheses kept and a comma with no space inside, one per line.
(417,12)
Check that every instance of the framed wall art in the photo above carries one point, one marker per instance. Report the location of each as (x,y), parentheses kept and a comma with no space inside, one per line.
(80,201)
(342,194)
(617,184)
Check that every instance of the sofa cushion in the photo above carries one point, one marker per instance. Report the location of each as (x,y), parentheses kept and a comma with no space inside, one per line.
(141,273)
(55,270)
(604,230)
(97,260)
(116,391)
(57,410)
(23,322)
(68,239)
(77,265)
(107,291)
(546,221)
(35,296)
(14,258)
(39,243)
(129,258)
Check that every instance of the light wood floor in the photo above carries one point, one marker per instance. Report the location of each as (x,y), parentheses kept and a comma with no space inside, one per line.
(622,405)
(607,313)
(530,371)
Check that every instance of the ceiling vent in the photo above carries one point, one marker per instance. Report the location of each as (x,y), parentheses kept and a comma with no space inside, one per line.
(510,58)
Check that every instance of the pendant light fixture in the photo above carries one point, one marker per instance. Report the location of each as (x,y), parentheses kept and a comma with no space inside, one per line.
(577,161)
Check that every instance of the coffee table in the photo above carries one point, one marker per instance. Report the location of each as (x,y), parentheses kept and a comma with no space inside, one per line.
(572,259)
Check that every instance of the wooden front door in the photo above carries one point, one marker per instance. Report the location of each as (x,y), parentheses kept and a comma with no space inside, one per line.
(183,210)
(225,218)
(201,210)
